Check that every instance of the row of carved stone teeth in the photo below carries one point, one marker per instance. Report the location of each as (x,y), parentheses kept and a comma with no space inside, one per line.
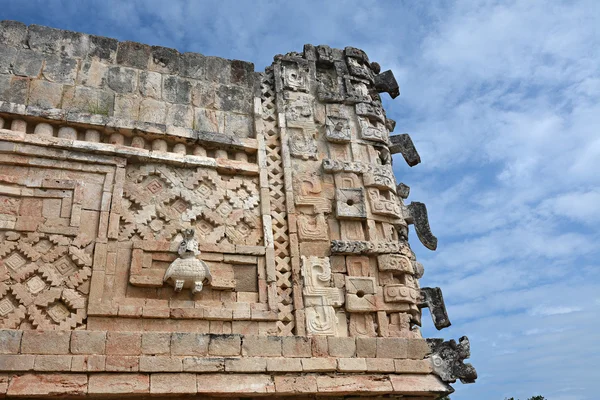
(93,135)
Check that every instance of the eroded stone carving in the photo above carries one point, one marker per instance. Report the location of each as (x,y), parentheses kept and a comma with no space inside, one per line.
(447,359)
(432,298)
(187,271)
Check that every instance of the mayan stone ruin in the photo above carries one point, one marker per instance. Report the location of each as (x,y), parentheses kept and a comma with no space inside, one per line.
(173,223)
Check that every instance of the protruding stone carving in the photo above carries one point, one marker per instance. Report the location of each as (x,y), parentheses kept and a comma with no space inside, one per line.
(432,298)
(386,82)
(418,217)
(187,271)
(447,359)
(373,130)
(403,144)
(384,202)
(402,190)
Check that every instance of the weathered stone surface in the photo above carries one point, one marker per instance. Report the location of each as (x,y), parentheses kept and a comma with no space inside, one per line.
(189,344)
(60,69)
(123,343)
(173,383)
(88,342)
(119,384)
(48,384)
(49,342)
(10,341)
(261,346)
(55,41)
(13,33)
(122,79)
(132,54)
(28,63)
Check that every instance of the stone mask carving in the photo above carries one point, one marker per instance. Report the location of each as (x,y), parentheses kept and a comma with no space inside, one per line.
(187,271)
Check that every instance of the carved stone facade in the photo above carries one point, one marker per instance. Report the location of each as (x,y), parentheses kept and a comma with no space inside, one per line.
(112,160)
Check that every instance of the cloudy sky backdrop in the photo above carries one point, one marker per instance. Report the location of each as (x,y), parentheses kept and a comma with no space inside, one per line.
(502,99)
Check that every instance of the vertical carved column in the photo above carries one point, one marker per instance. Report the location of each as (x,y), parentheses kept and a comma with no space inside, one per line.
(275,171)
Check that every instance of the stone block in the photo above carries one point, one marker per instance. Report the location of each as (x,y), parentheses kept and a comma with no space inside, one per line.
(48,384)
(267,346)
(45,94)
(132,54)
(164,60)
(225,345)
(122,79)
(366,347)
(319,346)
(156,343)
(122,363)
(16,362)
(173,383)
(234,98)
(239,125)
(52,363)
(341,346)
(189,344)
(7,58)
(203,364)
(88,342)
(10,340)
(209,120)
(319,364)
(45,342)
(13,33)
(126,384)
(88,100)
(282,364)
(417,384)
(380,365)
(124,343)
(127,106)
(161,364)
(59,69)
(14,89)
(418,349)
(153,111)
(28,63)
(248,364)
(354,384)
(176,89)
(295,384)
(92,73)
(352,365)
(151,84)
(235,383)
(242,73)
(392,348)
(103,48)
(180,115)
(56,41)
(413,366)
(192,65)
(217,70)
(296,346)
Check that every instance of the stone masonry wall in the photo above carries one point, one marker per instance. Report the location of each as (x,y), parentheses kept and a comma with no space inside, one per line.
(178,223)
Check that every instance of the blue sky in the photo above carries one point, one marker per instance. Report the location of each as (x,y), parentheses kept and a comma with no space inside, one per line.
(502,100)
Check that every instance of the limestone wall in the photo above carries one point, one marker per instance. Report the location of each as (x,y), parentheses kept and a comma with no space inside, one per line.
(252,221)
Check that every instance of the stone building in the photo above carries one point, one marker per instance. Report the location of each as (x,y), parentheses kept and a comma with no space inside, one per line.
(181,224)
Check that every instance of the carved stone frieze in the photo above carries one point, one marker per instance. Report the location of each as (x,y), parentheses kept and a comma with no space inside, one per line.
(384,202)
(448,358)
(373,130)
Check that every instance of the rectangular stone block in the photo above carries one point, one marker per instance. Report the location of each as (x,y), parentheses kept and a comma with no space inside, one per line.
(129,384)
(319,364)
(189,344)
(45,342)
(296,346)
(341,346)
(48,384)
(124,343)
(320,347)
(281,364)
(156,343)
(413,366)
(366,347)
(161,364)
(295,384)
(122,363)
(225,345)
(88,342)
(267,346)
(203,364)
(392,348)
(181,383)
(354,384)
(380,365)
(10,341)
(418,384)
(352,365)
(52,363)
(418,349)
(240,384)
(248,364)
(16,362)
